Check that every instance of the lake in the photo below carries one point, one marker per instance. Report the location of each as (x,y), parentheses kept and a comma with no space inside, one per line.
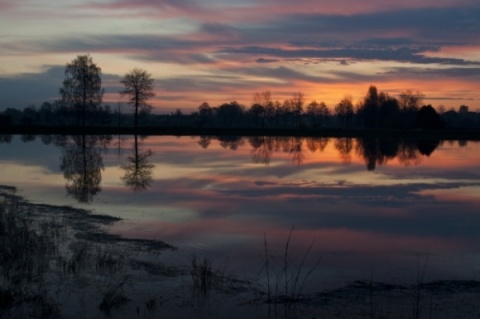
(354,209)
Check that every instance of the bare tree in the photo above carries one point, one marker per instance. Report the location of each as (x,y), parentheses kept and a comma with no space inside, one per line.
(262,106)
(262,98)
(410,101)
(463,109)
(297,105)
(344,111)
(139,88)
(317,112)
(82,88)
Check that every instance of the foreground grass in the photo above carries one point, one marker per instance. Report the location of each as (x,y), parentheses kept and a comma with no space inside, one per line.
(53,259)
(59,262)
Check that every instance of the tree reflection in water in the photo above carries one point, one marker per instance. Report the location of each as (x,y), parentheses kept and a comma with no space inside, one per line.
(138,170)
(373,150)
(262,148)
(231,142)
(378,151)
(344,146)
(82,164)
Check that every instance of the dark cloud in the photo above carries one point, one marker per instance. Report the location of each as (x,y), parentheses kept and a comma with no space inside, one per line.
(31,88)
(223,30)
(433,26)
(453,72)
(220,82)
(410,55)
(357,37)
(263,60)
(282,73)
(35,88)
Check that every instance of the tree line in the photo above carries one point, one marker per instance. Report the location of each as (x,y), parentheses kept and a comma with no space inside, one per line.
(81,104)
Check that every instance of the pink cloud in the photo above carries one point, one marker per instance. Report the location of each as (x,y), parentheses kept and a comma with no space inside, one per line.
(261,11)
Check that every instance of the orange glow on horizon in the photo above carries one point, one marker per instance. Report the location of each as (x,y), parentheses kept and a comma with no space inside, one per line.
(437,92)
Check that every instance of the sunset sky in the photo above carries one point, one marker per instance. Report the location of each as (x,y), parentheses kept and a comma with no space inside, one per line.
(219,51)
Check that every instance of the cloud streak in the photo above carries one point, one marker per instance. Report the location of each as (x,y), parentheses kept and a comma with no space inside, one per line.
(254,45)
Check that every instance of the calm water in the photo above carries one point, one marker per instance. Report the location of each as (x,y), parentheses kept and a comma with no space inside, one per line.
(379,209)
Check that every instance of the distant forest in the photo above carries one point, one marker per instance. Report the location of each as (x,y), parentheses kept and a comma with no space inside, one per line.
(80,105)
(377,110)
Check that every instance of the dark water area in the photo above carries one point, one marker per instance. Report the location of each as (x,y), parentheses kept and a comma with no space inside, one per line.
(361,208)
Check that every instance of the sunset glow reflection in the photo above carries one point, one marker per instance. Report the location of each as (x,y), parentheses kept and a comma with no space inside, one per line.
(222,200)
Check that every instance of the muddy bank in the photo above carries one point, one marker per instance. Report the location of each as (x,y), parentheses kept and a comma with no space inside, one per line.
(61,262)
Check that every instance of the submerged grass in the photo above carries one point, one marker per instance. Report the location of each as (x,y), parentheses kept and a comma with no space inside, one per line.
(26,253)
(114,296)
(287,274)
(202,274)
(49,256)
(55,262)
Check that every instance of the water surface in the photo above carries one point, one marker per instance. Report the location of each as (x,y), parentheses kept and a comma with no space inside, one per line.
(370,208)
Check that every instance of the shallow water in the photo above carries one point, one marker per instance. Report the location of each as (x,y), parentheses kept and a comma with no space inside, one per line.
(368,208)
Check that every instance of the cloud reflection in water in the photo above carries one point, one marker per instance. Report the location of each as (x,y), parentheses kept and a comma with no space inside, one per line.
(366,203)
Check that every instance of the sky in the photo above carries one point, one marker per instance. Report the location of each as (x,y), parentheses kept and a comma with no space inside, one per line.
(219,51)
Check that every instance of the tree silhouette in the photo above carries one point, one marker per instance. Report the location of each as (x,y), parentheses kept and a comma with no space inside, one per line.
(463,109)
(297,102)
(262,106)
(317,112)
(139,89)
(344,111)
(409,103)
(138,171)
(205,112)
(82,88)
(230,113)
(428,119)
(368,110)
(389,111)
(258,113)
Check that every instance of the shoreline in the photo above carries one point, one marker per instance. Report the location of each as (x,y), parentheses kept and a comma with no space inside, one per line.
(446,134)
(78,262)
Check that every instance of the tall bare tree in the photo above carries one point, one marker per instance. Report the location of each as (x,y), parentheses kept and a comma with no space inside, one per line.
(410,101)
(139,89)
(262,106)
(344,111)
(82,88)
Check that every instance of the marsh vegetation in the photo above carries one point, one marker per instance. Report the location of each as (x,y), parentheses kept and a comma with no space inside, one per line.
(60,262)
